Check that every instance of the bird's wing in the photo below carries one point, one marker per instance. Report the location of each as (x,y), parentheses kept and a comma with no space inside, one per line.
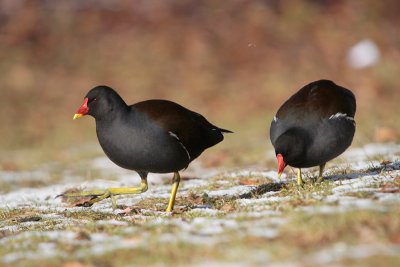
(194,131)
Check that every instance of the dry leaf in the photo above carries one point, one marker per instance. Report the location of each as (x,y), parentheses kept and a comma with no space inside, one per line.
(387,188)
(248,182)
(82,236)
(228,207)
(80,202)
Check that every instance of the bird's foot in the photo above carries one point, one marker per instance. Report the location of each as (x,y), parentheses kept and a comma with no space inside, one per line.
(299,178)
(320,179)
(88,198)
(175,186)
(321,171)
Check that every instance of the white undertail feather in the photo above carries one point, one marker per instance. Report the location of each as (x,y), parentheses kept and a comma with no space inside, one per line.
(342,115)
(177,138)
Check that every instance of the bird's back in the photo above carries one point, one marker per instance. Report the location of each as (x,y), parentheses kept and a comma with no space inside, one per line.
(319,99)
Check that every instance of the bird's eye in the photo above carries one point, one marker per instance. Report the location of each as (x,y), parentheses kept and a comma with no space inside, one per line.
(95,99)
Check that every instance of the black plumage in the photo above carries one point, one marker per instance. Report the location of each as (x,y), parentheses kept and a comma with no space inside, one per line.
(157,136)
(313,126)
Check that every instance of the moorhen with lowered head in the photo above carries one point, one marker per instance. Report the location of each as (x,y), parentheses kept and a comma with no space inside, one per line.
(313,126)
(156,136)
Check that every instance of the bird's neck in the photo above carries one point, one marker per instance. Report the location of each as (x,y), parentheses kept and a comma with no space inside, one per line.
(117,112)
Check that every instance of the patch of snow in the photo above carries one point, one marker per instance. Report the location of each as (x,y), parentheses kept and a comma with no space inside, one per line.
(32,255)
(359,203)
(15,176)
(359,184)
(51,216)
(137,218)
(112,222)
(342,251)
(190,238)
(260,201)
(159,221)
(254,214)
(271,193)
(268,233)
(205,226)
(10,228)
(272,175)
(108,246)
(233,191)
(29,197)
(336,198)
(65,236)
(388,197)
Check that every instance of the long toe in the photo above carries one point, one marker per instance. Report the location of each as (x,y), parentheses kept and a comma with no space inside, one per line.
(95,199)
(77,194)
(85,198)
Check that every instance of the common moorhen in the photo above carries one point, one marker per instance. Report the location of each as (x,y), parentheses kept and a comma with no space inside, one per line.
(157,136)
(313,126)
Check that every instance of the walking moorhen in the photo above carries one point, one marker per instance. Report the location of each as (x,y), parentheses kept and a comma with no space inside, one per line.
(156,136)
(313,126)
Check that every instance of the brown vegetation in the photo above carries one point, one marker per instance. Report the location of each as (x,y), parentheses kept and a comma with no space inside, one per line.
(233,61)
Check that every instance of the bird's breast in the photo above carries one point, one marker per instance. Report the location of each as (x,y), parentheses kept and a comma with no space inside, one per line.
(142,148)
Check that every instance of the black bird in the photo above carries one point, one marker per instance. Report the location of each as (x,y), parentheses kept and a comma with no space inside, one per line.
(157,136)
(313,126)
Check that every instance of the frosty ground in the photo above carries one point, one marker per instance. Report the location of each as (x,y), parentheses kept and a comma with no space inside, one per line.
(223,217)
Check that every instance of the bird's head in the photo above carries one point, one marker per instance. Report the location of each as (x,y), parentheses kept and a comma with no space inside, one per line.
(100,102)
(290,148)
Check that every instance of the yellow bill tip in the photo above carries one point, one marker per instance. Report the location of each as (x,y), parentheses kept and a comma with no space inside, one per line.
(76,116)
(279,174)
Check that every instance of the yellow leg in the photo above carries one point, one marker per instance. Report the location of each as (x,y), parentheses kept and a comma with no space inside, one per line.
(299,178)
(98,195)
(321,170)
(175,185)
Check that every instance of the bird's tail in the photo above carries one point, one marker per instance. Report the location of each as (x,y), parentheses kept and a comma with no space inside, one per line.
(224,130)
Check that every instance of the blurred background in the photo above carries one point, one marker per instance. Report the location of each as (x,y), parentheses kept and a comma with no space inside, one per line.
(233,61)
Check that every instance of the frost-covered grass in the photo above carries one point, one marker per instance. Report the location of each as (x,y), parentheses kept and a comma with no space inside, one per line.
(222,217)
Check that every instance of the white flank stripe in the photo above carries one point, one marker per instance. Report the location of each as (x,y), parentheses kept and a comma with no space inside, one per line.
(341,115)
(275,119)
(177,138)
(174,135)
